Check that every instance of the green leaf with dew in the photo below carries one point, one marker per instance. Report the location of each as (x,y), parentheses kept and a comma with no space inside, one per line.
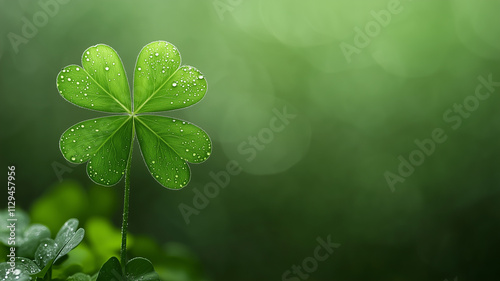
(160,84)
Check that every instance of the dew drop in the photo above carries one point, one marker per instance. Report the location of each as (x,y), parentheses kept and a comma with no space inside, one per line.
(106,68)
(174,84)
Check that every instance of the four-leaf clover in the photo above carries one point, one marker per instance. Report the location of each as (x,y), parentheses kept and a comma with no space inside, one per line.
(160,84)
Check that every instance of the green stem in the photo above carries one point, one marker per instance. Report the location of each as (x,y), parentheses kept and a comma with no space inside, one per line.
(48,276)
(126,199)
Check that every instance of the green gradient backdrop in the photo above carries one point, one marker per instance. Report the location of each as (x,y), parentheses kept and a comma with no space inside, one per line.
(323,174)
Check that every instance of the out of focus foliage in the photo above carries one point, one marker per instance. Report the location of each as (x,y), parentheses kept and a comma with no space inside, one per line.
(172,261)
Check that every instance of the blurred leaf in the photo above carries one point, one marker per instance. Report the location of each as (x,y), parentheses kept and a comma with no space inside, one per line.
(136,269)
(72,243)
(80,259)
(104,238)
(27,238)
(79,277)
(180,264)
(67,231)
(46,252)
(21,273)
(104,201)
(21,224)
(68,196)
(27,264)
(140,269)
(49,251)
(111,270)
(32,238)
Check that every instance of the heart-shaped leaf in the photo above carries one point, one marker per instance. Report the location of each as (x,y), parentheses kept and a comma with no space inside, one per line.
(167,144)
(111,270)
(31,239)
(140,269)
(101,84)
(27,265)
(46,252)
(67,231)
(21,272)
(71,243)
(159,83)
(104,143)
(136,269)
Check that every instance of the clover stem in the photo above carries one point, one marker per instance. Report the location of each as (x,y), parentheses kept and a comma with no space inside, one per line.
(49,274)
(126,199)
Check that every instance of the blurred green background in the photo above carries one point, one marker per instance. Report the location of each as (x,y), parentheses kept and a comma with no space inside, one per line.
(322,175)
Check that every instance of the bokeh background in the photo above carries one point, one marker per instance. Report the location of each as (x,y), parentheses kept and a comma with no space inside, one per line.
(323,175)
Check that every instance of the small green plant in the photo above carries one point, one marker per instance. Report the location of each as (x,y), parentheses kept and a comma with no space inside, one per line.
(106,143)
(37,252)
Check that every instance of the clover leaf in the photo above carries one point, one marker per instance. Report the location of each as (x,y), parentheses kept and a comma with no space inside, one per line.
(136,269)
(28,237)
(160,84)
(49,250)
(20,272)
(47,253)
